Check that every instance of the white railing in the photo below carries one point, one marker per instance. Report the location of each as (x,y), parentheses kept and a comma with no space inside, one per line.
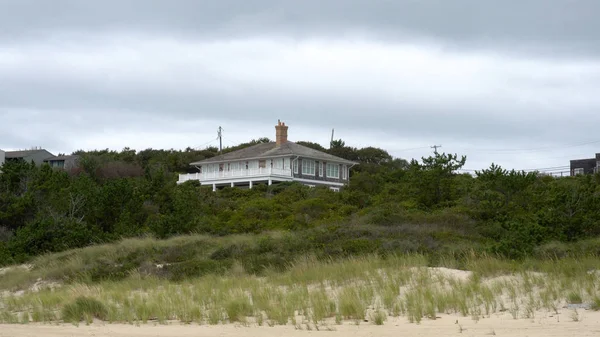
(235,174)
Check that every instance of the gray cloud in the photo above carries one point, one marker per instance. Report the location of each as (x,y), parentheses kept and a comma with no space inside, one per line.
(550,26)
(473,75)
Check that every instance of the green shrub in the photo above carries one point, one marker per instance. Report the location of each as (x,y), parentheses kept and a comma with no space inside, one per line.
(520,237)
(5,255)
(257,263)
(552,249)
(196,268)
(231,251)
(360,246)
(48,235)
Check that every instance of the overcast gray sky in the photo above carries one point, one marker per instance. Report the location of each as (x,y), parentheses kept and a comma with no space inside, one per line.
(513,82)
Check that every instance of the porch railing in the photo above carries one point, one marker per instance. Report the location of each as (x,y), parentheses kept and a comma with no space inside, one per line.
(258,172)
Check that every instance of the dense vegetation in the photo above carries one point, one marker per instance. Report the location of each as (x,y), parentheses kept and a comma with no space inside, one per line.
(390,206)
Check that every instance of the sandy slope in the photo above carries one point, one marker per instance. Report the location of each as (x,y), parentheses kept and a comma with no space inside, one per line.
(500,325)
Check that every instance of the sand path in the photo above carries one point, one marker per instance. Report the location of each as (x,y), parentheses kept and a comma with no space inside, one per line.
(503,325)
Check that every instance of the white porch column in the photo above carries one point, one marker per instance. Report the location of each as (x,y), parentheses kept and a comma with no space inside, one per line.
(270,182)
(214,187)
(250,184)
(232,184)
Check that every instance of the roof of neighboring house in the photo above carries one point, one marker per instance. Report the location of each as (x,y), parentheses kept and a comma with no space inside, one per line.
(24,153)
(267,150)
(62,158)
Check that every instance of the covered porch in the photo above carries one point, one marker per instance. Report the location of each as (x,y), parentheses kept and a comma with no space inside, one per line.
(246,177)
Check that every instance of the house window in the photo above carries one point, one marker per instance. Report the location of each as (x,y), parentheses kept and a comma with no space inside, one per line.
(220,167)
(235,167)
(344,172)
(279,163)
(296,166)
(578,171)
(286,163)
(323,167)
(262,163)
(333,170)
(335,189)
(58,163)
(308,167)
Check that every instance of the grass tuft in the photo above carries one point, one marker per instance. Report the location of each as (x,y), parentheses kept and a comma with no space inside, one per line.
(239,308)
(84,308)
(574,298)
(378,317)
(595,305)
(350,304)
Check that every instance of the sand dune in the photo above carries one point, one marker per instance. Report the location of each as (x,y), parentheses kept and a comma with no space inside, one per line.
(499,325)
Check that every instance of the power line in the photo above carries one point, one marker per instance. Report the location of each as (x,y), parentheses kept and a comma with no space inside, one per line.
(415,148)
(549,168)
(544,169)
(200,146)
(535,149)
(510,151)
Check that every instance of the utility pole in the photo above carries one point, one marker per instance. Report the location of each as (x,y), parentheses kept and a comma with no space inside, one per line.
(220,137)
(435,147)
(331,142)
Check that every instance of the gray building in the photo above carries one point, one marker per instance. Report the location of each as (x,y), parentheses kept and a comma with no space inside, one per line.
(38,156)
(585,166)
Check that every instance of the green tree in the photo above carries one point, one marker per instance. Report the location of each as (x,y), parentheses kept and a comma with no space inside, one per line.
(433,180)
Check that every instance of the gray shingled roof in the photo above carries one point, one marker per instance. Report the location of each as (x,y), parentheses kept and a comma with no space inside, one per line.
(24,153)
(62,158)
(267,150)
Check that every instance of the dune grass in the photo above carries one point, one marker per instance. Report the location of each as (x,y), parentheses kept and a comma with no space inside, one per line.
(241,279)
(192,256)
(312,294)
(84,308)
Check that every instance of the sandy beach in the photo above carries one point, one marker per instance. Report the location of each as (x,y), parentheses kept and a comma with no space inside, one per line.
(499,325)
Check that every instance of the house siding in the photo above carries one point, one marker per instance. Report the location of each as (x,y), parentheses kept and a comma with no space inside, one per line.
(67,164)
(320,172)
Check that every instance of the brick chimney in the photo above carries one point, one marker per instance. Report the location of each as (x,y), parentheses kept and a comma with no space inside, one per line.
(280,133)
